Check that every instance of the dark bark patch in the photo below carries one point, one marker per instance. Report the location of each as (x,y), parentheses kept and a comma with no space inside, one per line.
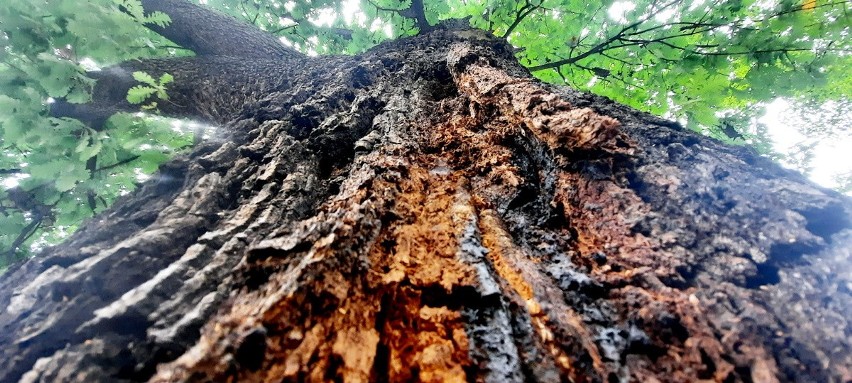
(303,124)
(826,221)
(361,78)
(781,255)
(252,348)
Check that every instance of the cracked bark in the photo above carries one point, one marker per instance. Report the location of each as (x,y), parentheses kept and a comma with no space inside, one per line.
(427,211)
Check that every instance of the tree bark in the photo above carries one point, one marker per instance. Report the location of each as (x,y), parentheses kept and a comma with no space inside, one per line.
(235,64)
(428,211)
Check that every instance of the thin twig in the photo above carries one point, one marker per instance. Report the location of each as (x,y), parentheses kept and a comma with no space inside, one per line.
(525,10)
(24,235)
(693,28)
(119,163)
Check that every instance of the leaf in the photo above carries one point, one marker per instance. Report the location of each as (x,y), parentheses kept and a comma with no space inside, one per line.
(133,7)
(158,18)
(150,160)
(91,150)
(47,170)
(144,78)
(166,79)
(78,96)
(9,105)
(66,182)
(138,94)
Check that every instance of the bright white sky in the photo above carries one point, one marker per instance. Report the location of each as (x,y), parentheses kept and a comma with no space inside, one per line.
(831,158)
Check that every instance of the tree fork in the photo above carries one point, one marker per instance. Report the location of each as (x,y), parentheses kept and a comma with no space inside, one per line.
(428,211)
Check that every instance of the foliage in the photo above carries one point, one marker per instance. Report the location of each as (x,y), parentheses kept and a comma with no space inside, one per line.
(711,64)
(57,172)
(149,88)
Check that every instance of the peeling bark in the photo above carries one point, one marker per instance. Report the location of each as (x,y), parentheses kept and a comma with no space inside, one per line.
(427,211)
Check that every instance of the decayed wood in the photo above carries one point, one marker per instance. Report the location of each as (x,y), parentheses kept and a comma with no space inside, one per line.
(427,211)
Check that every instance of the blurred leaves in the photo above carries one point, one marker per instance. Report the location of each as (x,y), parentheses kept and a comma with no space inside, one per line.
(55,172)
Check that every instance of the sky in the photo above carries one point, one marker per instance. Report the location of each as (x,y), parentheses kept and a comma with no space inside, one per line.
(831,157)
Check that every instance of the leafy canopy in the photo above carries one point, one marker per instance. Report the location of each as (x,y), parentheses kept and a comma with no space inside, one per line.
(710,64)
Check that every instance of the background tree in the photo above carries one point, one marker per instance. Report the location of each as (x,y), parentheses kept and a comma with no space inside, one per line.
(422,210)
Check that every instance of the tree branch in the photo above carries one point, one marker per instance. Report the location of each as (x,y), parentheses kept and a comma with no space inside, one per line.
(210,33)
(520,15)
(603,45)
(692,28)
(414,11)
(596,49)
(419,13)
(117,164)
(91,166)
(22,237)
(194,93)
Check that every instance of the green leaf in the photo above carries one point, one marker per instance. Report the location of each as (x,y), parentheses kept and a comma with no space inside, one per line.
(65,182)
(138,94)
(90,151)
(47,170)
(144,78)
(166,79)
(158,18)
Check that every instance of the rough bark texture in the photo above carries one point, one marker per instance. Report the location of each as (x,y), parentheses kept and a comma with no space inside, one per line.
(427,211)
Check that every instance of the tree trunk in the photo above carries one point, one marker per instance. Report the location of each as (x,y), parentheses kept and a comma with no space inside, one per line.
(427,211)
